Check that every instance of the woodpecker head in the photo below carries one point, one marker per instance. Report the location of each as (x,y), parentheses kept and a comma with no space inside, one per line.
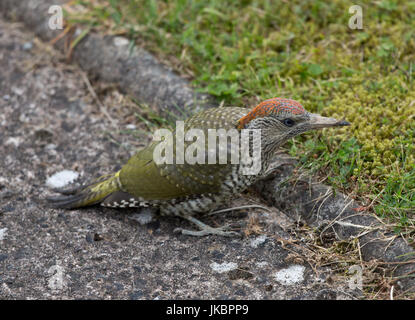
(281,119)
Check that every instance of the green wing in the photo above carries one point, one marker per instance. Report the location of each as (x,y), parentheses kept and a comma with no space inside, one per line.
(143,178)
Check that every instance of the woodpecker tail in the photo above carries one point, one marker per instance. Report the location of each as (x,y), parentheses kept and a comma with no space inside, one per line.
(93,193)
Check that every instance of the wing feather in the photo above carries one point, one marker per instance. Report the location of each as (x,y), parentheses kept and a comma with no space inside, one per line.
(143,178)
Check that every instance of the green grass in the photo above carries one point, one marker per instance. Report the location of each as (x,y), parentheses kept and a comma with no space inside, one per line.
(246,51)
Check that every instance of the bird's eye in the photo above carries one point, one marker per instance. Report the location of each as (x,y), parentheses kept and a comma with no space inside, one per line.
(288,122)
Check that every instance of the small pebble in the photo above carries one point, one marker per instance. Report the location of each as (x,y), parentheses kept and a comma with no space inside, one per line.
(223,267)
(131,126)
(62,178)
(27,46)
(3,233)
(121,41)
(291,275)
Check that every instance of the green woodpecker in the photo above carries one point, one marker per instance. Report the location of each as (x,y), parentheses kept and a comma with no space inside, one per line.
(184,189)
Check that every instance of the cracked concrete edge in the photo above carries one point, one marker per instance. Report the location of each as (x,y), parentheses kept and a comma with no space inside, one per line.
(110,58)
(330,211)
(139,74)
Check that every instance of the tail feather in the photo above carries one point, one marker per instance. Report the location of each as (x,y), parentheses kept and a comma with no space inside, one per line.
(87,195)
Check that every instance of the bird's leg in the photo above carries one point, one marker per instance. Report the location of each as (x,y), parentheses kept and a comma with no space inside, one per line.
(205,229)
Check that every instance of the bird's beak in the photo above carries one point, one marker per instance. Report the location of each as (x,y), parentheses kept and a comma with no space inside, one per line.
(317,122)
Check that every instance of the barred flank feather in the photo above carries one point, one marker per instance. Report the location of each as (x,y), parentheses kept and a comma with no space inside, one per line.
(88,195)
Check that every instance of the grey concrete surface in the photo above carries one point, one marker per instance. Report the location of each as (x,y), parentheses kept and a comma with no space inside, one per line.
(50,122)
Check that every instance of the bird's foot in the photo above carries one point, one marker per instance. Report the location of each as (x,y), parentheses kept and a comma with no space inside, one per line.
(206,230)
